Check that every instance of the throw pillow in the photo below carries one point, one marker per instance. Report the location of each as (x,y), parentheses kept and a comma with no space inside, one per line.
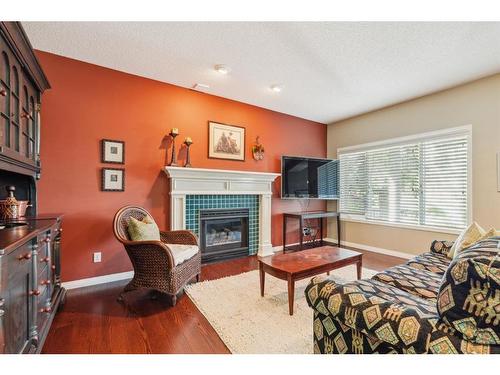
(441,247)
(143,230)
(469,296)
(467,238)
(491,233)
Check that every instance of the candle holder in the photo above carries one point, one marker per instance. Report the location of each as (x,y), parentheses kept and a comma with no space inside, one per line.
(173,133)
(188,142)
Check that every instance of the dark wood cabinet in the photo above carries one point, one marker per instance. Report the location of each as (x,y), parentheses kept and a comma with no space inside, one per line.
(22,83)
(30,288)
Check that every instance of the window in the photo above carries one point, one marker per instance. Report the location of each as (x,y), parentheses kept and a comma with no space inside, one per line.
(420,181)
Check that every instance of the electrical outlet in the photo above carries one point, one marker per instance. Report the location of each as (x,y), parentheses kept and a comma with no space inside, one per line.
(97,257)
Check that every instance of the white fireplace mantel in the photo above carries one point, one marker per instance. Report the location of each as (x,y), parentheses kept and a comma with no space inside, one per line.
(187,181)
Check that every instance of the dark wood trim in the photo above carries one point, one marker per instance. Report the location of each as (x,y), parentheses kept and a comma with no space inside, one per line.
(13,157)
(243,143)
(18,40)
(112,169)
(103,143)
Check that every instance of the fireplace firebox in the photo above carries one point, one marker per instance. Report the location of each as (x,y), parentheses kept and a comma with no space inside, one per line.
(223,234)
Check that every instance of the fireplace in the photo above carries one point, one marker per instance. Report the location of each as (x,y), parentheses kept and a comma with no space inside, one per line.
(223,234)
(195,189)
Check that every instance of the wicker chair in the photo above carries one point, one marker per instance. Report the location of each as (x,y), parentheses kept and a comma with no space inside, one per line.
(153,261)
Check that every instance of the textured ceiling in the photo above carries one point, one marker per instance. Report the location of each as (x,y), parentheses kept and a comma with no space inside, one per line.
(329,70)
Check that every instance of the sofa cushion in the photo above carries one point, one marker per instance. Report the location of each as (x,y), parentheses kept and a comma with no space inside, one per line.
(433,262)
(441,247)
(388,314)
(466,238)
(469,297)
(420,282)
(182,253)
(143,230)
(492,232)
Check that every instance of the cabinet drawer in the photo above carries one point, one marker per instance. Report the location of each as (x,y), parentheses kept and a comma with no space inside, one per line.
(43,262)
(19,259)
(43,242)
(44,281)
(21,255)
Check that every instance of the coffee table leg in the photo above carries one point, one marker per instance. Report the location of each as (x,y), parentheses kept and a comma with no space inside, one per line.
(262,279)
(358,267)
(291,294)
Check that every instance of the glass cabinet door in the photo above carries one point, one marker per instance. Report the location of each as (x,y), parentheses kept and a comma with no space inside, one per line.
(5,99)
(19,98)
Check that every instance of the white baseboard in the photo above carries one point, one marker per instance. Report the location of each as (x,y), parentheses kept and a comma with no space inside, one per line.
(98,280)
(128,275)
(373,249)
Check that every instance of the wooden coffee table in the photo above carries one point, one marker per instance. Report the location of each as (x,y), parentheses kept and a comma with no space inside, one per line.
(306,263)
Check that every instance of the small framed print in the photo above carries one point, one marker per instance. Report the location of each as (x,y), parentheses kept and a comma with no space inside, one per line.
(112,151)
(226,141)
(113,179)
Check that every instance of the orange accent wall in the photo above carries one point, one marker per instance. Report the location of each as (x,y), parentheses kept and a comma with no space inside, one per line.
(88,103)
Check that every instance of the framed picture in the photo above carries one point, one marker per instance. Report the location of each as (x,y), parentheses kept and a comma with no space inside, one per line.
(112,151)
(113,179)
(226,141)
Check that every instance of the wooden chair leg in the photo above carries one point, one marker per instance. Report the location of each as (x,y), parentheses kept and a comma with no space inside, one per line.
(174,300)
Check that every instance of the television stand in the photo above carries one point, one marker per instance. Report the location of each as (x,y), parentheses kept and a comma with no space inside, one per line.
(302,217)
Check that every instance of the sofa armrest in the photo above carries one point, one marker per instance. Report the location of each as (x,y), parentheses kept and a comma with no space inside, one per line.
(368,307)
(441,247)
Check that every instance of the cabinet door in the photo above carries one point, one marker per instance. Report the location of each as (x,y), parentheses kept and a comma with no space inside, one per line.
(5,94)
(18,104)
(28,132)
(15,115)
(17,303)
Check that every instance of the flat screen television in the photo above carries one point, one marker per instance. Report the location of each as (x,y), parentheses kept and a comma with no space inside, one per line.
(311,178)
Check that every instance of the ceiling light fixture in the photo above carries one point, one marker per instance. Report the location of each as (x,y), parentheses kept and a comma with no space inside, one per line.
(276,88)
(221,68)
(201,86)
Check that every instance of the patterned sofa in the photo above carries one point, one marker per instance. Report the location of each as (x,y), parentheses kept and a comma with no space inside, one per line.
(431,304)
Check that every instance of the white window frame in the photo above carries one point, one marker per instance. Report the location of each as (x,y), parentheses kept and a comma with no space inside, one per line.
(465,130)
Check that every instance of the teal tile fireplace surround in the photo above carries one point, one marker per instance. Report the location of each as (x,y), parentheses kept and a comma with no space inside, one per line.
(195,203)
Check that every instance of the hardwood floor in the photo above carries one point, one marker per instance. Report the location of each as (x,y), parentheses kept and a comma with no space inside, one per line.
(92,321)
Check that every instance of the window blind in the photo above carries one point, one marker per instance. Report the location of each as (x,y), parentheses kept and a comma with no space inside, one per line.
(422,181)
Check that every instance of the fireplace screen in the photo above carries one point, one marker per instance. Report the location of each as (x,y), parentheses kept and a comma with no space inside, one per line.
(223,234)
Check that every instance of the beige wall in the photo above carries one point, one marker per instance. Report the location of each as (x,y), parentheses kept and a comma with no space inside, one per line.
(476,103)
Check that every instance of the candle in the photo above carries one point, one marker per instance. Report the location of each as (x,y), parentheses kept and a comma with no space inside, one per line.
(188,140)
(174,131)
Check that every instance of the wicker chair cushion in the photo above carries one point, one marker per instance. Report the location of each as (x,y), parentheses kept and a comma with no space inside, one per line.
(182,253)
(143,230)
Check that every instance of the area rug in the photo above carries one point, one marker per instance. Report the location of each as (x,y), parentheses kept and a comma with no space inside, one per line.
(250,324)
